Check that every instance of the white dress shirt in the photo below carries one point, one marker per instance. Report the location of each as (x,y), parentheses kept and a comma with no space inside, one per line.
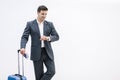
(41,29)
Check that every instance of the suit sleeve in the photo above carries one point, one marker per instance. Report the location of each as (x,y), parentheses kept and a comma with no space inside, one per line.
(25,36)
(54,35)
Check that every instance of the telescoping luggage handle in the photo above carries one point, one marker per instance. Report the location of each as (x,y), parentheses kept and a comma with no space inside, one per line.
(19,63)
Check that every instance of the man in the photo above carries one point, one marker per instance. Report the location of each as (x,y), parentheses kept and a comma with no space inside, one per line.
(42,34)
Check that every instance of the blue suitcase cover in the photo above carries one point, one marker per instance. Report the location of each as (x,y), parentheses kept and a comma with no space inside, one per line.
(16,77)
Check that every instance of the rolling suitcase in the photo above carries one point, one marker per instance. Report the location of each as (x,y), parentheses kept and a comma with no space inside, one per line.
(18,76)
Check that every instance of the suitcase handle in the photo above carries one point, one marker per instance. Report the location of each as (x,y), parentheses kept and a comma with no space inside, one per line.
(19,63)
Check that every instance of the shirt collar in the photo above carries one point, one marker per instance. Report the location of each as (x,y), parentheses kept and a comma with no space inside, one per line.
(39,22)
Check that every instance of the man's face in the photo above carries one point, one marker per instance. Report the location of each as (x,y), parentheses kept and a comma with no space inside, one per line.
(42,14)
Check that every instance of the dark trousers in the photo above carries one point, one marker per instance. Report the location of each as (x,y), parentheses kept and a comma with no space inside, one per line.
(39,69)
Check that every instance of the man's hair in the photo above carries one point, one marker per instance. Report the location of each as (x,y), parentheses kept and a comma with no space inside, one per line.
(42,7)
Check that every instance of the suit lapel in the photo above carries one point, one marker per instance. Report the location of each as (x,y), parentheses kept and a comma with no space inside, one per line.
(45,27)
(36,27)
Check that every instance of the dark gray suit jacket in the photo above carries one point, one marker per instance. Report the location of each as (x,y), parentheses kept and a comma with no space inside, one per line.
(32,29)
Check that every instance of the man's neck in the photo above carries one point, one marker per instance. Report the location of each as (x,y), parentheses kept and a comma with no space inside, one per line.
(39,20)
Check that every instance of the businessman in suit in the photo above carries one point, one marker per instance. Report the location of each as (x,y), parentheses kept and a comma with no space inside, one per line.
(42,33)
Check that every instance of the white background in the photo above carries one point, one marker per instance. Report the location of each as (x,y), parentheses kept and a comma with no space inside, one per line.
(89,45)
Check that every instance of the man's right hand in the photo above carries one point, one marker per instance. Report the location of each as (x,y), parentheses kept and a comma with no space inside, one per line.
(22,51)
